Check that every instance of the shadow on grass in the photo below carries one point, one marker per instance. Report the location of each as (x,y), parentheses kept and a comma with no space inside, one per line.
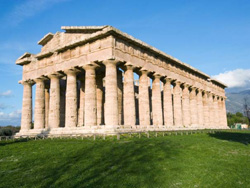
(243,138)
(9,142)
(111,165)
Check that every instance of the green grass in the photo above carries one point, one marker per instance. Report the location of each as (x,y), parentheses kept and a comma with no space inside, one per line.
(198,160)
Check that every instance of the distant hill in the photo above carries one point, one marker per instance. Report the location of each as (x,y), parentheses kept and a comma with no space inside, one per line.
(235,101)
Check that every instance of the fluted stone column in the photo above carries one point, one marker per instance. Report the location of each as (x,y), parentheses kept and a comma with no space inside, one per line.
(144,112)
(99,98)
(46,106)
(220,110)
(81,110)
(111,94)
(26,120)
(177,104)
(224,113)
(211,110)
(39,115)
(193,107)
(120,96)
(71,99)
(54,102)
(90,117)
(216,112)
(168,104)
(200,109)
(129,96)
(186,105)
(206,110)
(156,101)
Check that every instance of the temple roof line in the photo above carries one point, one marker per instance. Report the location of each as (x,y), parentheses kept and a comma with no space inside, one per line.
(99,31)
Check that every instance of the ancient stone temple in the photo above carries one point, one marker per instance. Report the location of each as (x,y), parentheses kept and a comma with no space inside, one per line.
(97,79)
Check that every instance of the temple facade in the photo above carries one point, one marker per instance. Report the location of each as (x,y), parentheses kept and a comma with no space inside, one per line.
(97,79)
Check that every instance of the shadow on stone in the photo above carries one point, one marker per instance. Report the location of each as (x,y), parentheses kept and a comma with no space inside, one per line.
(243,138)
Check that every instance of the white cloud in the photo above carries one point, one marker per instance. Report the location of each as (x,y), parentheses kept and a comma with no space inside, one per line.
(13,118)
(28,9)
(7,93)
(238,78)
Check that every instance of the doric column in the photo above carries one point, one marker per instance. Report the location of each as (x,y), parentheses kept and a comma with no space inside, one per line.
(54,102)
(81,102)
(216,112)
(224,112)
(120,93)
(144,112)
(193,107)
(200,109)
(46,106)
(211,110)
(177,104)
(90,117)
(168,104)
(111,94)
(39,115)
(156,101)
(129,96)
(185,105)
(206,110)
(71,98)
(26,120)
(99,98)
(220,110)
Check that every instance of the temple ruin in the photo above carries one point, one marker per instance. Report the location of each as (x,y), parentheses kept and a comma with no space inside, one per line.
(86,82)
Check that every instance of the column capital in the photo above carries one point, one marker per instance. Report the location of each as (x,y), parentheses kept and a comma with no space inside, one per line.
(90,65)
(41,79)
(185,85)
(200,90)
(56,75)
(176,82)
(72,71)
(110,62)
(167,79)
(193,88)
(129,66)
(157,75)
(143,71)
(27,82)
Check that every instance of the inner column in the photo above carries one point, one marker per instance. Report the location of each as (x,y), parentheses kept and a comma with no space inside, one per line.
(81,109)
(99,97)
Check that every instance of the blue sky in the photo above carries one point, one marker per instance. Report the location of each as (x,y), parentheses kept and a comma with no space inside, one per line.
(212,36)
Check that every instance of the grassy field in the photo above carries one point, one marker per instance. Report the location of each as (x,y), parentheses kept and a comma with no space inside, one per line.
(199,160)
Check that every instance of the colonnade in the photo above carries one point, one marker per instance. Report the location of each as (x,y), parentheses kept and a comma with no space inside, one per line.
(94,98)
